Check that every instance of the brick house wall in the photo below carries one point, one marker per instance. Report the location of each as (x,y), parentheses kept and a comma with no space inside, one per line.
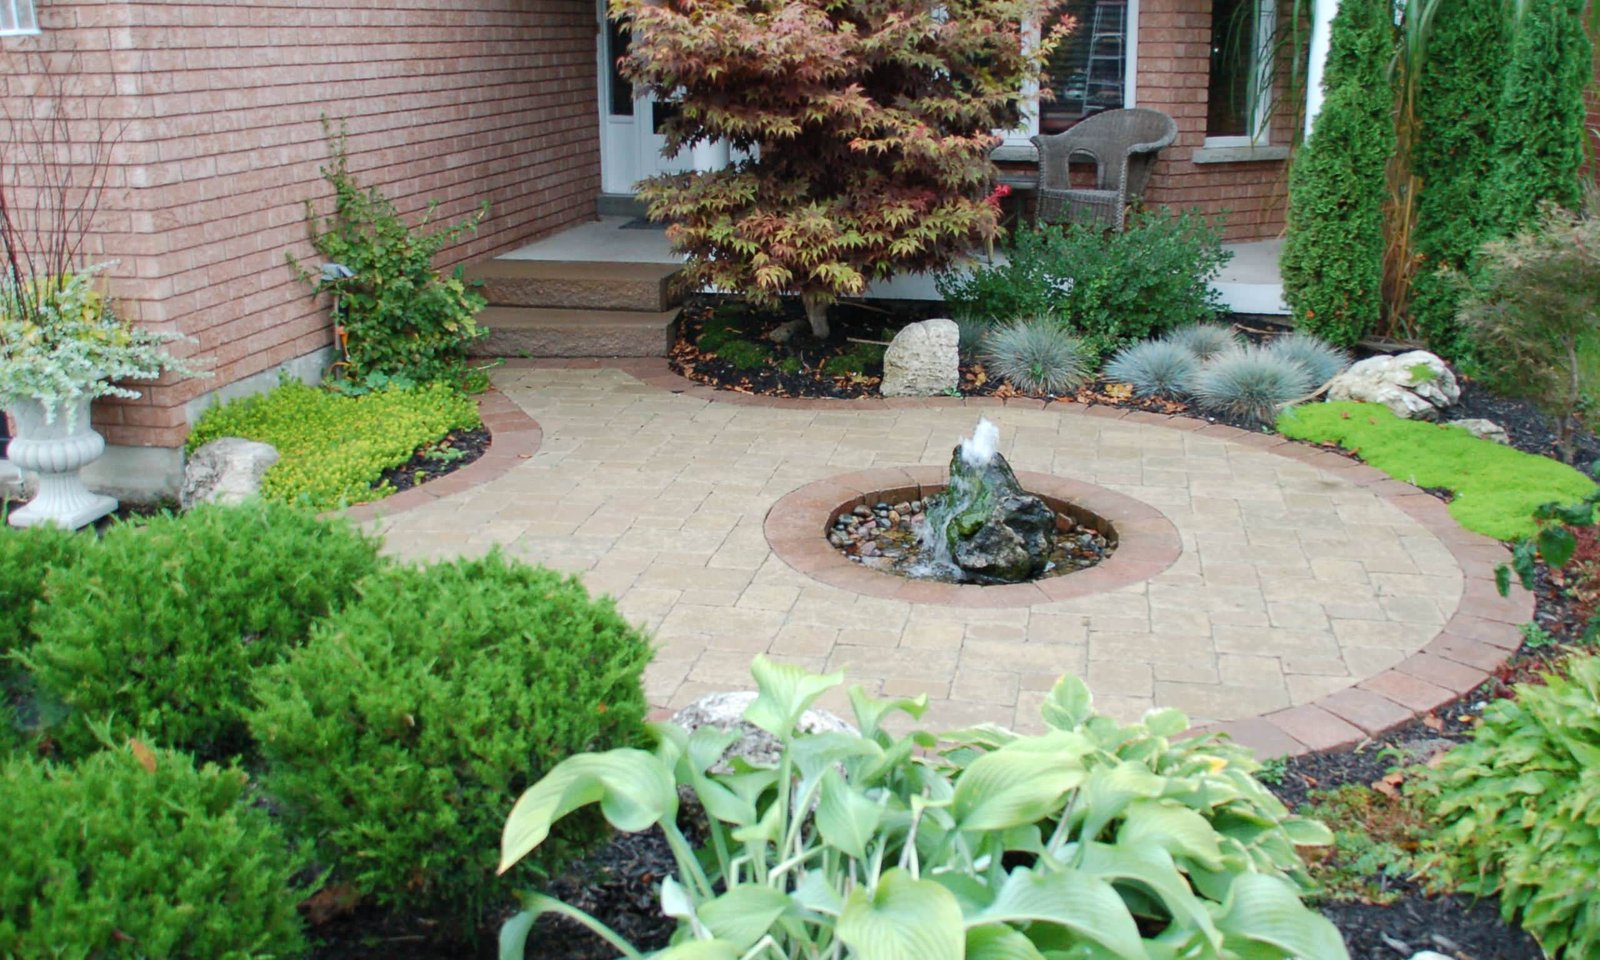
(457,103)
(1174,68)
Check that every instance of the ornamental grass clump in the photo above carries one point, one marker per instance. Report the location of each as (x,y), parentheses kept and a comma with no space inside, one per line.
(398,736)
(1037,356)
(1518,809)
(133,853)
(1094,839)
(157,629)
(1154,368)
(333,448)
(1205,340)
(1321,359)
(1250,384)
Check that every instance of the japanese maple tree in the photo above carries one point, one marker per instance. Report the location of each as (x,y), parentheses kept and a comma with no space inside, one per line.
(865,128)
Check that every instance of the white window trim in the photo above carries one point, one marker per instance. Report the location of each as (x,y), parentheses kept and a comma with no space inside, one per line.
(1016,145)
(1262,65)
(17,18)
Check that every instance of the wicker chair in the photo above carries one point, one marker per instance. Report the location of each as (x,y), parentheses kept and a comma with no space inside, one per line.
(1123,145)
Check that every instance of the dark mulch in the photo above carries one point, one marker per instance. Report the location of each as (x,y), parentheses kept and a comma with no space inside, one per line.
(1529,430)
(1458,927)
(432,462)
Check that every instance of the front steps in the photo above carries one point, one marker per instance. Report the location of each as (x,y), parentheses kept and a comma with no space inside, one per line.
(552,308)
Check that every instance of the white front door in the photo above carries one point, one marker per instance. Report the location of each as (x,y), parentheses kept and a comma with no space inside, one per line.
(630,121)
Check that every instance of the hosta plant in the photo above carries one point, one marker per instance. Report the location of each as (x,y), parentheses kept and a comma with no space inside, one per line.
(1518,809)
(1093,840)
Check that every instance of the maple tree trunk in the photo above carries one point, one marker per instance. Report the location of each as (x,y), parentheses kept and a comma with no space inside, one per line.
(816,305)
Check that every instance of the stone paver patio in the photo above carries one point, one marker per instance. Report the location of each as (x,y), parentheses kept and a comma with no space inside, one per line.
(1308,589)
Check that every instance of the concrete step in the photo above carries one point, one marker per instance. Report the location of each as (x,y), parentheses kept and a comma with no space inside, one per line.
(644,287)
(545,332)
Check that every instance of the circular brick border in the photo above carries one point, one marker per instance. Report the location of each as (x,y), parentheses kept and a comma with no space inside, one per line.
(797,525)
(513,438)
(1476,641)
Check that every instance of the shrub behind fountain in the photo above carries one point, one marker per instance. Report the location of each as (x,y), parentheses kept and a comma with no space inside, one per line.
(983,524)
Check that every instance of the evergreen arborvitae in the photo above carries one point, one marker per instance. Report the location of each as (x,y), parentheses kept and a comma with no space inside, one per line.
(1453,156)
(1539,140)
(1332,260)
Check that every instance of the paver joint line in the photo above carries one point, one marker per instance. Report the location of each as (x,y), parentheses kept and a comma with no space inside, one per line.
(1297,599)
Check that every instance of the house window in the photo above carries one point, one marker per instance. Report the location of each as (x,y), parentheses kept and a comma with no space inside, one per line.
(16,16)
(1088,70)
(1238,92)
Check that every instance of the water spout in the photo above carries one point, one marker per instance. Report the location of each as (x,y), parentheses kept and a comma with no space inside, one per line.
(978,450)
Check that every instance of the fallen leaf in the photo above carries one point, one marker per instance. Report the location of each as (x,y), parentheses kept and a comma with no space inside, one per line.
(1432,722)
(145,756)
(1119,391)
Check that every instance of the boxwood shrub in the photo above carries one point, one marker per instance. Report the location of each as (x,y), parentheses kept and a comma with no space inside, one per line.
(158,628)
(139,855)
(26,556)
(401,734)
(333,448)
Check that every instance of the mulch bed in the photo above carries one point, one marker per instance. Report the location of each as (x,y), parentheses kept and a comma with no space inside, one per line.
(430,464)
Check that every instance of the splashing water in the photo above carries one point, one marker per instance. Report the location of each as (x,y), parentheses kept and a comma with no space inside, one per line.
(979,449)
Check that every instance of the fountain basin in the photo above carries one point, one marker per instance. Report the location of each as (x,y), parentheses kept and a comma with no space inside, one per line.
(1146,542)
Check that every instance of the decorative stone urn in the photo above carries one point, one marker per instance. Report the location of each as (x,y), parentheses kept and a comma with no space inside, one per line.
(56,448)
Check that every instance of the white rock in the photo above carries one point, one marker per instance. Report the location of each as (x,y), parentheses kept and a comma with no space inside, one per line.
(725,711)
(1482,429)
(1429,955)
(227,470)
(923,360)
(1414,385)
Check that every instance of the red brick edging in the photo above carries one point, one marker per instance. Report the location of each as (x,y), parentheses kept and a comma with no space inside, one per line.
(513,438)
(796,527)
(1476,640)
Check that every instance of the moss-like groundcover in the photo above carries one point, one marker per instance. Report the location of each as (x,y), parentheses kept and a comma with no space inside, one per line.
(334,448)
(1496,488)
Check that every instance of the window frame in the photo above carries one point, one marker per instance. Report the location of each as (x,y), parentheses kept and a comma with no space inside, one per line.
(1263,71)
(18,18)
(1015,142)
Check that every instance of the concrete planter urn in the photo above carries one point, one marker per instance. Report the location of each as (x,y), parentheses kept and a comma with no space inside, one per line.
(55,441)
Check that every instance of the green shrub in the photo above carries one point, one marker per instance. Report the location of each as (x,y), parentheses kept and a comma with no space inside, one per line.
(1154,368)
(1110,288)
(26,556)
(1497,488)
(1533,314)
(1322,361)
(1093,839)
(1250,384)
(134,853)
(1036,356)
(1518,809)
(1541,132)
(401,733)
(1205,340)
(158,628)
(1452,157)
(402,318)
(334,448)
(1332,261)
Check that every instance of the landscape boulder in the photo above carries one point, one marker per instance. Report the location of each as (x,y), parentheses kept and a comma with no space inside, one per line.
(227,470)
(1414,385)
(923,360)
(1482,429)
(725,711)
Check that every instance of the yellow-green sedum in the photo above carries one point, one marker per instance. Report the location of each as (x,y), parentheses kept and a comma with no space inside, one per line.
(333,448)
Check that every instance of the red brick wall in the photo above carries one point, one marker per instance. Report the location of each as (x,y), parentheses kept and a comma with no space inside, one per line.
(1174,66)
(456,102)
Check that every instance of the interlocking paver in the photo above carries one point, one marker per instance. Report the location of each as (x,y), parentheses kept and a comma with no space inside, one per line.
(1298,578)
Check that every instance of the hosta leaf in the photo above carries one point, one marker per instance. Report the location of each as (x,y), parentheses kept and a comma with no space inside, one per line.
(785,692)
(1069,704)
(847,818)
(634,790)
(816,894)
(902,919)
(1108,791)
(744,914)
(1165,722)
(1153,872)
(999,942)
(1307,833)
(870,710)
(815,753)
(699,950)
(1265,910)
(1177,830)
(1020,783)
(707,745)
(1089,908)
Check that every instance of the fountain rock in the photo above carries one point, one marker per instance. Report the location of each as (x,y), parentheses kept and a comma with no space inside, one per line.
(984,523)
